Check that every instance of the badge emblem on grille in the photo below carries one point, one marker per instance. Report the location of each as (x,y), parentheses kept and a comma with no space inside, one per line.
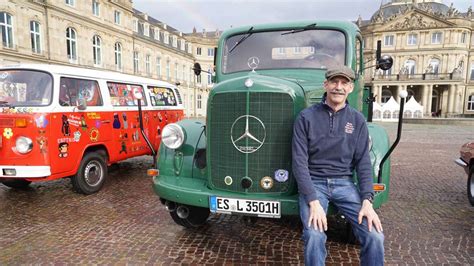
(253,135)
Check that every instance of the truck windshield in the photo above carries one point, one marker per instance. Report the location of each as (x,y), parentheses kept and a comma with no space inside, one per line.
(284,49)
(25,88)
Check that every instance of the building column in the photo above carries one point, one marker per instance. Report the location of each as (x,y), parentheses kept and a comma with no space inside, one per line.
(429,101)
(424,98)
(378,93)
(451,95)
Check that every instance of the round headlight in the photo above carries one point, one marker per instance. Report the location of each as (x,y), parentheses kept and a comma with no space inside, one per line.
(172,136)
(24,145)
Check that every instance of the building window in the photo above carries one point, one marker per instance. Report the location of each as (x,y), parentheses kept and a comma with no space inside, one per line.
(146,30)
(281,50)
(157,34)
(209,77)
(166,38)
(70,2)
(386,95)
(210,51)
(436,37)
(470,103)
(463,37)
(297,50)
(118,56)
(176,71)
(433,66)
(135,25)
(389,40)
(117,17)
(410,66)
(198,79)
(95,8)
(184,73)
(158,66)
(35,37)
(6,29)
(175,41)
(135,62)
(412,39)
(147,65)
(191,72)
(71,42)
(97,50)
(472,71)
(168,70)
(198,50)
(199,101)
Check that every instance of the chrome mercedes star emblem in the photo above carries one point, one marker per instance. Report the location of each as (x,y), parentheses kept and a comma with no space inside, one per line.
(248,142)
(253,62)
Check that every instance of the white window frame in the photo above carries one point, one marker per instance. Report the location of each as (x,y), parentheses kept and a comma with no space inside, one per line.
(97,50)
(147,65)
(472,72)
(96,8)
(118,56)
(71,44)
(209,76)
(175,41)
(411,64)
(297,50)
(166,38)
(8,27)
(117,17)
(412,39)
(463,37)
(136,62)
(470,102)
(158,66)
(435,63)
(176,67)
(168,70)
(35,34)
(198,51)
(157,34)
(389,40)
(437,37)
(146,29)
(70,2)
(135,25)
(210,52)
(199,101)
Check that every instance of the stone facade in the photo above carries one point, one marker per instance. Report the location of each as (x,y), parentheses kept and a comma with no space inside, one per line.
(433,50)
(107,35)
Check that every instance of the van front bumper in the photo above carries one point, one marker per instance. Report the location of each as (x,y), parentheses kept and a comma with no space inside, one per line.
(15,171)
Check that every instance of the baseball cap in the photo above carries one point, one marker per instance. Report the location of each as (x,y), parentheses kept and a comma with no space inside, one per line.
(343,71)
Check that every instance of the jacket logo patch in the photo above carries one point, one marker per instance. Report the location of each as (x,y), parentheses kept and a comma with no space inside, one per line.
(349,128)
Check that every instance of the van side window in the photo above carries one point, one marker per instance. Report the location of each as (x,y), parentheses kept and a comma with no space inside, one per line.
(161,96)
(121,94)
(71,90)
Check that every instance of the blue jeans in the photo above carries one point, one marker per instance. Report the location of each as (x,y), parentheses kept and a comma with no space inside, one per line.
(345,196)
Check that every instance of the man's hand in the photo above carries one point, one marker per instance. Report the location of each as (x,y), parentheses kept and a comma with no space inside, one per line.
(317,216)
(372,218)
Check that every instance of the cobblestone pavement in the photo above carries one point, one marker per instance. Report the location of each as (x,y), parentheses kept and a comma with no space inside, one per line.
(428,219)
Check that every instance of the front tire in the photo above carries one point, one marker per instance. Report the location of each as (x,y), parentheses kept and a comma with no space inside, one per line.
(91,174)
(470,186)
(16,183)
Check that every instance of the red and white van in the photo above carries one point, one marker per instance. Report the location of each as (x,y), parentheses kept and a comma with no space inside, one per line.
(58,121)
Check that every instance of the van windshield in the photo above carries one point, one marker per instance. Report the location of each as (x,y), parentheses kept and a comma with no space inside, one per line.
(284,49)
(25,88)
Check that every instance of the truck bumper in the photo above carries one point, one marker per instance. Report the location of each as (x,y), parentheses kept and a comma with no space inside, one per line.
(195,192)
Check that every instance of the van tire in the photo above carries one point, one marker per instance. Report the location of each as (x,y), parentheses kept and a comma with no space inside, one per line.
(16,183)
(91,175)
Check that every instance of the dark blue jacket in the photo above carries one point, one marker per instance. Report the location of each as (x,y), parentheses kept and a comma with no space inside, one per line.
(328,144)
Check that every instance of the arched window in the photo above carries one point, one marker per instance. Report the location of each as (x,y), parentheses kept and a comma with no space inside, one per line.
(376,114)
(410,66)
(199,101)
(6,29)
(407,114)
(433,66)
(386,114)
(35,37)
(417,114)
(386,94)
(71,40)
(470,103)
(118,56)
(96,49)
(395,114)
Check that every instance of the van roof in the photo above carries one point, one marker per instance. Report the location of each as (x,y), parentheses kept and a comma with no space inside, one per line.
(88,73)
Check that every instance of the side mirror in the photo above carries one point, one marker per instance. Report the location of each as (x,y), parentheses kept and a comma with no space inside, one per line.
(82,104)
(197,69)
(385,62)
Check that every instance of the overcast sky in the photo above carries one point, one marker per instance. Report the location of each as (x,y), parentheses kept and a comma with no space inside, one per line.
(223,14)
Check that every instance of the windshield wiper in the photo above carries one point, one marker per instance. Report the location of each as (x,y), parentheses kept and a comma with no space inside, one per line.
(249,33)
(307,27)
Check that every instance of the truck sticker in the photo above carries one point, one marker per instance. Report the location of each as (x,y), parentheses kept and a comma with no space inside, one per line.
(63,149)
(124,148)
(125,123)
(93,116)
(8,133)
(83,123)
(65,127)
(41,121)
(43,144)
(94,135)
(77,136)
(116,123)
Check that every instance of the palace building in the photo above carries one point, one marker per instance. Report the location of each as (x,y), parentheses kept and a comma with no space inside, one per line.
(432,46)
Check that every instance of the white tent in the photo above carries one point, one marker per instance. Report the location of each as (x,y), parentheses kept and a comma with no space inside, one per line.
(390,110)
(413,109)
(376,112)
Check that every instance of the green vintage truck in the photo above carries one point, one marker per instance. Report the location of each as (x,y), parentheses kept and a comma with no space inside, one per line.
(239,160)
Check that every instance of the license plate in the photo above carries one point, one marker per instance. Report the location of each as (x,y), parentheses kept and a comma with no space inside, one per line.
(261,208)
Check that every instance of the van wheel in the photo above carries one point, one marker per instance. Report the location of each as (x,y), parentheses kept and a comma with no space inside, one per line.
(16,183)
(197,216)
(470,186)
(91,174)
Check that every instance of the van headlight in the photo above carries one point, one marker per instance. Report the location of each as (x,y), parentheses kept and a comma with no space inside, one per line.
(172,136)
(23,145)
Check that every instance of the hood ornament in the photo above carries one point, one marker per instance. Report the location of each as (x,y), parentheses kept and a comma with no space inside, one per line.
(253,63)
